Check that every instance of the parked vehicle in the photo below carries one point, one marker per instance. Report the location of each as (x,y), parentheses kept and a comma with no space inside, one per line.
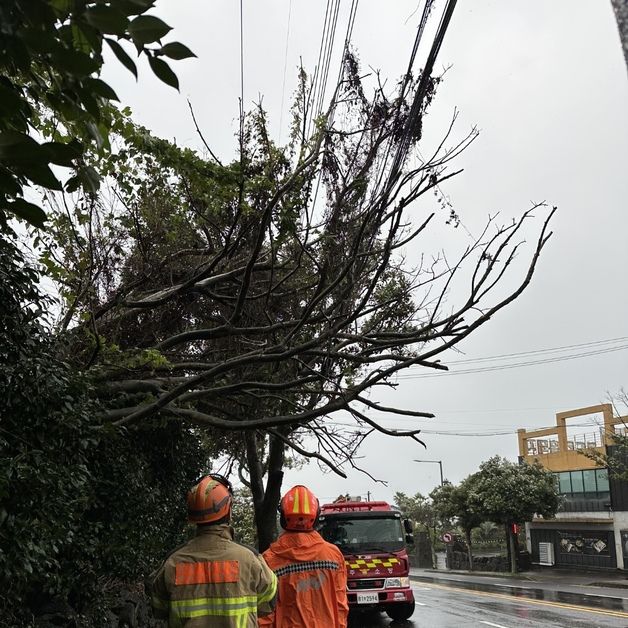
(373,538)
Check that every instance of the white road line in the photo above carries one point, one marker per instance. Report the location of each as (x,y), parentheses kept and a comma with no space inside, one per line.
(490,623)
(421,588)
(419,603)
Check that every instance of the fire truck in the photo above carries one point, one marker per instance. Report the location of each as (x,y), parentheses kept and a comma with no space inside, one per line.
(372,537)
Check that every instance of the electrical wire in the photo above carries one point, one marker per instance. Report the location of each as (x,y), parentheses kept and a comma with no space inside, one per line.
(504,356)
(327,60)
(504,367)
(285,68)
(241,55)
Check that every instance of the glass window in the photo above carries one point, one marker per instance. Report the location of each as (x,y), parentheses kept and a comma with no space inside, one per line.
(577,483)
(363,534)
(602,480)
(589,481)
(564,482)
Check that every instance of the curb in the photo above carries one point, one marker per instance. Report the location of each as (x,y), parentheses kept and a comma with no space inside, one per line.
(480,574)
(550,594)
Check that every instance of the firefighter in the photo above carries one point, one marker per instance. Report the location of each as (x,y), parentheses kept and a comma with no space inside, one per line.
(212,580)
(312,589)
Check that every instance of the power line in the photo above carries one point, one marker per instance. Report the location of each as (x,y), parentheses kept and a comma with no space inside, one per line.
(329,47)
(484,433)
(504,367)
(241,55)
(503,356)
(285,67)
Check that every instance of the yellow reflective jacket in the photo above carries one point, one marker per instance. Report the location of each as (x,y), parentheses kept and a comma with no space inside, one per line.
(213,581)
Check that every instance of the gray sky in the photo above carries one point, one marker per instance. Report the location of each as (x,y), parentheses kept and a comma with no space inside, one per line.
(546,84)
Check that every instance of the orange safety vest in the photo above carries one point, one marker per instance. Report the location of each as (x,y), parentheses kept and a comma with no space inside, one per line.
(312,582)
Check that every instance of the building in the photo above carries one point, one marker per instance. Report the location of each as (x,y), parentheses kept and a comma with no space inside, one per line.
(591,529)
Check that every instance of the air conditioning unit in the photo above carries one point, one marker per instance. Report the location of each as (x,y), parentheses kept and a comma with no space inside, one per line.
(546,554)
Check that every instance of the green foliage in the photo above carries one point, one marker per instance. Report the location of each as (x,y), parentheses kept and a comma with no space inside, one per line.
(454,503)
(51,54)
(417,508)
(506,492)
(78,503)
(243,517)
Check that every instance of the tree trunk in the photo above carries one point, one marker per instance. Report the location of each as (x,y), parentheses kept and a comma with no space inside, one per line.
(512,550)
(265,498)
(431,537)
(467,534)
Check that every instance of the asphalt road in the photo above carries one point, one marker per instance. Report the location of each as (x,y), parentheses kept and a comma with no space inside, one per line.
(445,606)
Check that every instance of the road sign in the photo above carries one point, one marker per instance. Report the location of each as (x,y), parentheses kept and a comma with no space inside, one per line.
(448,537)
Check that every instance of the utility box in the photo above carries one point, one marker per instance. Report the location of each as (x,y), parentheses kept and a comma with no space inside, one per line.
(546,554)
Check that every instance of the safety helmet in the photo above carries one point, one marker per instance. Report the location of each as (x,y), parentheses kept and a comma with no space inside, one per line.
(210,500)
(299,509)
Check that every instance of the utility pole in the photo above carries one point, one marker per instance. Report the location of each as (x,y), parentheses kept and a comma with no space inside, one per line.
(368,496)
(440,464)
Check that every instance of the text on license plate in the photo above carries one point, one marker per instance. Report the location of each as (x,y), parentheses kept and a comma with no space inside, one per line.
(368,598)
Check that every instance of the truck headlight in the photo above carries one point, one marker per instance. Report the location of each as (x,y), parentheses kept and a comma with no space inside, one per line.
(397,583)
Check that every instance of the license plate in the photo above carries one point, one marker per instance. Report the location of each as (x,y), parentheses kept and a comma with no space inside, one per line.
(368,598)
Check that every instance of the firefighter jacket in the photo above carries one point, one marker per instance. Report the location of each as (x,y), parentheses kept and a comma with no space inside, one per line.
(312,589)
(213,581)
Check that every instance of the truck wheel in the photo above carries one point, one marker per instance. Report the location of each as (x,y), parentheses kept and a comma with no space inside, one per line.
(401,612)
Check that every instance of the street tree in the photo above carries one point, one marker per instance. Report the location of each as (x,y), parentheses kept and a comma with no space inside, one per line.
(454,503)
(421,511)
(615,457)
(265,296)
(508,493)
(51,57)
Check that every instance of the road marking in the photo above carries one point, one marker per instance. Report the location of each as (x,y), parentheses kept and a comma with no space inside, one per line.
(419,603)
(524,600)
(421,589)
(490,623)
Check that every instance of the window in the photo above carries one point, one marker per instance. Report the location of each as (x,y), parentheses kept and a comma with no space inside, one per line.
(602,480)
(592,482)
(363,534)
(577,483)
(589,481)
(564,482)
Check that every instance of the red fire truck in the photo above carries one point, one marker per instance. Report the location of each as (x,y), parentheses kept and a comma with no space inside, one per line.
(372,536)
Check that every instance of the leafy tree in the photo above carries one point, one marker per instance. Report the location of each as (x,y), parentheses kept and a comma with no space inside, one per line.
(508,493)
(615,456)
(78,503)
(243,517)
(51,56)
(236,298)
(454,503)
(421,511)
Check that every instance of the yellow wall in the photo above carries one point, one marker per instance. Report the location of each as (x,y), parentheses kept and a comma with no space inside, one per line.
(566,459)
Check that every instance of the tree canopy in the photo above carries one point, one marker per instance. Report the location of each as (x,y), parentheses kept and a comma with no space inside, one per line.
(51,56)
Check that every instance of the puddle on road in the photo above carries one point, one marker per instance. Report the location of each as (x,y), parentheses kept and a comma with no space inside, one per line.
(563,597)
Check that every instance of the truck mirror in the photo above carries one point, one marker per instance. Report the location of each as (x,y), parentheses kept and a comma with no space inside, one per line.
(409,539)
(407,526)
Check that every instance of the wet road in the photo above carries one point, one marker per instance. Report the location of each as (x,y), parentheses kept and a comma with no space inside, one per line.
(442,605)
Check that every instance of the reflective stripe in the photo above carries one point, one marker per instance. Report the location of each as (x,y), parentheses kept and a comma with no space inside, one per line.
(295,505)
(206,572)
(270,591)
(215,601)
(300,567)
(306,502)
(238,607)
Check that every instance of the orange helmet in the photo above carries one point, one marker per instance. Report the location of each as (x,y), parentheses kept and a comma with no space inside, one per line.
(210,500)
(299,509)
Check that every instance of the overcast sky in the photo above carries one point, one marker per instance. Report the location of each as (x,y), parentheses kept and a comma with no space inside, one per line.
(546,84)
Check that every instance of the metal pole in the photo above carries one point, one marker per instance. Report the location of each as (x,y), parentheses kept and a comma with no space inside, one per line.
(440,464)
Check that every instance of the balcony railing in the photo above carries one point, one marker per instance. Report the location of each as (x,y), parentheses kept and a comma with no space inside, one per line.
(571,503)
